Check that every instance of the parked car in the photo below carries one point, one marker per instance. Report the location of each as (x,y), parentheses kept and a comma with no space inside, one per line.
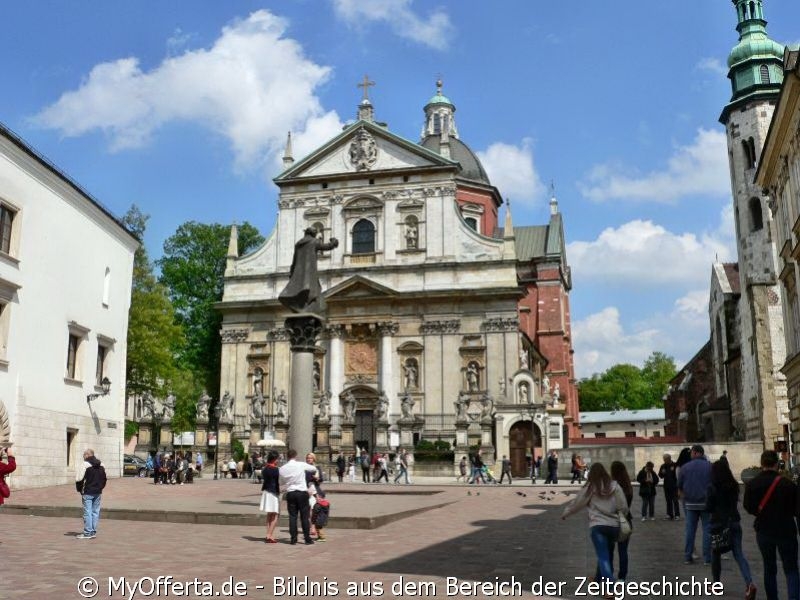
(134,466)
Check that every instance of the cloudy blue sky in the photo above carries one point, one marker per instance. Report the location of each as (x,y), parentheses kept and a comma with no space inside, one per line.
(183,109)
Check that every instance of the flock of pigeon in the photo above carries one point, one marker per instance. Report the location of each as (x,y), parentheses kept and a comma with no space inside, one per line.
(542,495)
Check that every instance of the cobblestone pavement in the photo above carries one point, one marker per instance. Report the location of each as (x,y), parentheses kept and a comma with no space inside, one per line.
(488,533)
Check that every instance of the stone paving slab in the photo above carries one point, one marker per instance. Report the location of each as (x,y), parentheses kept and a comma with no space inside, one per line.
(492,537)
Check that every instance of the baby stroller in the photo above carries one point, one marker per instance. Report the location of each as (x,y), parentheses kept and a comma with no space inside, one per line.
(487,475)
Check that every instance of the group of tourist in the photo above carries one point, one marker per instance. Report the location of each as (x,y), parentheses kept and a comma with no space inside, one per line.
(709,493)
(374,467)
(177,468)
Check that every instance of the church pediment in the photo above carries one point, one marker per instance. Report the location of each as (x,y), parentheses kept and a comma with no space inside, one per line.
(364,148)
(358,287)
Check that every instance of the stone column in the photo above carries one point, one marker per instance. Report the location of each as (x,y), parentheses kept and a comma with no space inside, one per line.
(303,331)
(387,329)
(336,366)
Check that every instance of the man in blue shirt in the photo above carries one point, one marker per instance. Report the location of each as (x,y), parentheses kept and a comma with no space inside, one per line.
(693,480)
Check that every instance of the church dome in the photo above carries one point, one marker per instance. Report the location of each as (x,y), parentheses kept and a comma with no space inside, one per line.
(439,98)
(751,48)
(471,167)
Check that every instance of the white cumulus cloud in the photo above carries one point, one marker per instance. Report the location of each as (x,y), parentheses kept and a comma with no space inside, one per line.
(511,169)
(251,86)
(434,31)
(714,65)
(642,253)
(700,168)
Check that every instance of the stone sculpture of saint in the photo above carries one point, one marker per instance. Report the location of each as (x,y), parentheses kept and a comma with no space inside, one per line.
(487,407)
(281,405)
(324,407)
(411,236)
(546,385)
(348,406)
(303,293)
(316,378)
(461,407)
(382,409)
(227,405)
(472,377)
(407,406)
(410,369)
(556,393)
(258,378)
(523,358)
(203,402)
(523,394)
(169,407)
(256,408)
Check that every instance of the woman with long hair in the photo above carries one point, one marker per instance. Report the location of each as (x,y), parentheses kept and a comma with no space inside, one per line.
(619,473)
(721,501)
(604,499)
(271,495)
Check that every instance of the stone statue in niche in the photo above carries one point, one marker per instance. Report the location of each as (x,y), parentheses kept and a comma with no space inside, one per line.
(303,293)
(382,409)
(487,407)
(256,408)
(227,405)
(410,368)
(546,385)
(523,358)
(556,394)
(281,406)
(412,235)
(203,404)
(472,377)
(523,393)
(169,407)
(258,382)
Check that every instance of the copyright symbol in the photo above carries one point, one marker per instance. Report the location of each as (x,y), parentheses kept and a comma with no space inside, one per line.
(88,587)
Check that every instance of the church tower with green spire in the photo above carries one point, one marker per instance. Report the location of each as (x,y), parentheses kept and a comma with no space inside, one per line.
(754,389)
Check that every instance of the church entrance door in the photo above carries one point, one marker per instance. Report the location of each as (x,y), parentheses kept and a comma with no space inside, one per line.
(364,433)
(523,436)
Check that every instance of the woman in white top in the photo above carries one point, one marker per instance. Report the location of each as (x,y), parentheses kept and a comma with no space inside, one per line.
(604,499)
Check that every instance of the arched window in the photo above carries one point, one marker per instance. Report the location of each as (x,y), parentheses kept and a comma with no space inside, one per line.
(756,217)
(437,123)
(753,10)
(749,151)
(363,237)
(320,230)
(472,222)
(764,74)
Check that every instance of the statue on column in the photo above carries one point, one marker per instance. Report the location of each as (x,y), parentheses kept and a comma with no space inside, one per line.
(349,407)
(324,406)
(407,406)
(303,293)
(227,405)
(487,407)
(281,406)
(203,402)
(382,409)
(462,404)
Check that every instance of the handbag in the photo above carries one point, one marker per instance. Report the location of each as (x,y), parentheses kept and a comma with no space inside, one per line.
(5,491)
(722,540)
(625,528)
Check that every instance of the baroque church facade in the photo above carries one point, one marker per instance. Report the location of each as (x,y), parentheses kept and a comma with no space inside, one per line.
(749,397)
(441,323)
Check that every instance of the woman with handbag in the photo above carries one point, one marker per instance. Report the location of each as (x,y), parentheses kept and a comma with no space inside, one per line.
(619,473)
(606,504)
(726,529)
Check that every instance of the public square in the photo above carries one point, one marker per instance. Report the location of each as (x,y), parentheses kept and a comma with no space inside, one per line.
(473,533)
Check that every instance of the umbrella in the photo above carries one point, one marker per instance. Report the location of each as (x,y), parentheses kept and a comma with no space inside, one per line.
(271,443)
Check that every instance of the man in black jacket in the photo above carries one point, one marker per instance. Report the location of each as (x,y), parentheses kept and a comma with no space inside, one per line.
(773,500)
(669,476)
(90,481)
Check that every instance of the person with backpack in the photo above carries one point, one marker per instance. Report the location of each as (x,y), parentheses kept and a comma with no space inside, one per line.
(364,462)
(90,480)
(6,468)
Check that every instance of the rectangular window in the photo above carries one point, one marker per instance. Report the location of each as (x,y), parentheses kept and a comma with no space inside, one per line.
(72,434)
(72,355)
(102,352)
(656,434)
(630,434)
(600,434)
(6,221)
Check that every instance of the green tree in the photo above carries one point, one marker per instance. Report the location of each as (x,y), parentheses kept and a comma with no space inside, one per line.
(657,372)
(153,335)
(192,268)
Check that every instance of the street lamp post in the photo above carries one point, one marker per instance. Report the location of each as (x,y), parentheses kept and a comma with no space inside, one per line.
(105,385)
(217,414)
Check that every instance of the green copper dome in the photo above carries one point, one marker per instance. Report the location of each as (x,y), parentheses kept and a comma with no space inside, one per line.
(441,99)
(756,62)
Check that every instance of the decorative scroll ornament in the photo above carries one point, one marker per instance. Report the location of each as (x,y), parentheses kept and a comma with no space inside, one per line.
(363,150)
(440,326)
(233,336)
(500,324)
(278,334)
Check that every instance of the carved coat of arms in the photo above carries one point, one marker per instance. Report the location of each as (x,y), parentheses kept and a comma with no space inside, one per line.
(363,150)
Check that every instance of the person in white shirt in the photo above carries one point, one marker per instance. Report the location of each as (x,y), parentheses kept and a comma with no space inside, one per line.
(293,480)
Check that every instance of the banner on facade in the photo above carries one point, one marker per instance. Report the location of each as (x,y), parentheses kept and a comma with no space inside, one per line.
(183,439)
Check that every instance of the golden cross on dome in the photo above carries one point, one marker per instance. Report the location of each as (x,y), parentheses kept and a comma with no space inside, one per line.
(366,84)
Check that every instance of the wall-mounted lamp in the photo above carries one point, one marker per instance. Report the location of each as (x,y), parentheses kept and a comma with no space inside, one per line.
(106,385)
